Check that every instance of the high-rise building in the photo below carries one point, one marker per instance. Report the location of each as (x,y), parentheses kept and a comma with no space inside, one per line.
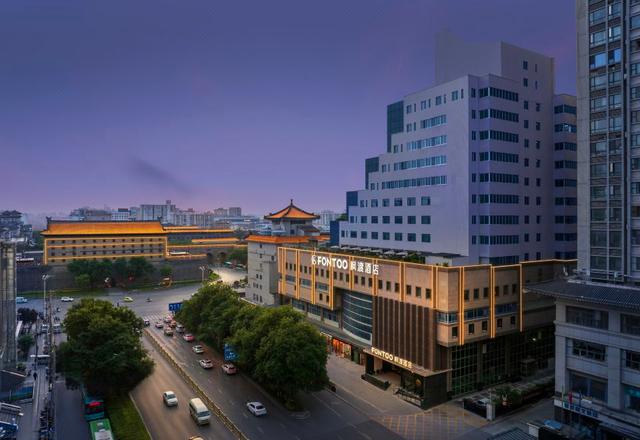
(121,215)
(8,354)
(608,88)
(165,213)
(325,219)
(475,165)
(220,212)
(235,211)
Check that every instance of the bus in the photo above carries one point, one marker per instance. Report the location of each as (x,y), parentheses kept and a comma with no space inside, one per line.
(101,430)
(93,407)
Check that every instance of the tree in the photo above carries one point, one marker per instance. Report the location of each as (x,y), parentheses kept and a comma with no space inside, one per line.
(83,281)
(120,270)
(239,255)
(25,342)
(103,349)
(292,358)
(166,271)
(27,315)
(139,267)
(213,277)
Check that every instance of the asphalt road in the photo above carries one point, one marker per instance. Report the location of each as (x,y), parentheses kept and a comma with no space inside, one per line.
(166,423)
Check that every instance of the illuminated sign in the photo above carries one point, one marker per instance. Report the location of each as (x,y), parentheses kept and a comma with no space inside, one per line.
(343,264)
(391,358)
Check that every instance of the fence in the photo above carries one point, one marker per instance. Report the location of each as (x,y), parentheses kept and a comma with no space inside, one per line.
(216,409)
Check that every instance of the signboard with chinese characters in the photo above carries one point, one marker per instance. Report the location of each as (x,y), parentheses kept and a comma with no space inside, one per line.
(174,307)
(344,264)
(580,409)
(391,358)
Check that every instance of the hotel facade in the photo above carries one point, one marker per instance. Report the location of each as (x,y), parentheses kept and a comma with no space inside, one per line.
(443,330)
(480,168)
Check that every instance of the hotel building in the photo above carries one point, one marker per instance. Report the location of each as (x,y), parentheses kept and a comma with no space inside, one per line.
(443,330)
(479,168)
(65,241)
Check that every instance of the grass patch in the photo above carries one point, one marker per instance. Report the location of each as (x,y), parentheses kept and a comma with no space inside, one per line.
(125,419)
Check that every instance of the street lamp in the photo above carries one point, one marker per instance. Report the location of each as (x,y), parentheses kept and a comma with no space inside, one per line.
(44,292)
(202,269)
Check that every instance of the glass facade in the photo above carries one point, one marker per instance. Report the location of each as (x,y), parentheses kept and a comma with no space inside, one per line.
(357,312)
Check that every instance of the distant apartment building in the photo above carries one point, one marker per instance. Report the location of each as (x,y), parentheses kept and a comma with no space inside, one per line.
(13,227)
(235,211)
(67,241)
(121,215)
(292,227)
(8,353)
(90,215)
(165,213)
(597,357)
(479,168)
(325,218)
(608,90)
(220,212)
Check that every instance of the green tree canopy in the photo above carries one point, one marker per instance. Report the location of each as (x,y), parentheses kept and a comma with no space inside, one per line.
(103,348)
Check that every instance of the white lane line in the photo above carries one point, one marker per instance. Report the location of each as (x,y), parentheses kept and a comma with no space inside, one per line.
(245,415)
(365,435)
(260,430)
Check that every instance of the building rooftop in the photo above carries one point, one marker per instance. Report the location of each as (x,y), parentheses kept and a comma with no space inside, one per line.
(102,228)
(276,239)
(589,292)
(291,212)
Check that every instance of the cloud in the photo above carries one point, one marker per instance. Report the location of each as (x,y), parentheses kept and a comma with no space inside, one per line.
(146,172)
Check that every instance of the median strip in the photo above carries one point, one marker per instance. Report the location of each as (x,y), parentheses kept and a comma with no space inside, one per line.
(216,409)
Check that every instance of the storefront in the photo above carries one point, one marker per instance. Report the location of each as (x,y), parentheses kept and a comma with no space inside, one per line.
(344,349)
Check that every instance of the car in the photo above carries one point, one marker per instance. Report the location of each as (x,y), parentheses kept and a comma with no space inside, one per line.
(159,324)
(188,337)
(21,300)
(168,331)
(173,324)
(195,437)
(170,398)
(206,363)
(256,408)
(167,319)
(147,323)
(197,349)
(66,299)
(229,368)
(128,299)
(180,328)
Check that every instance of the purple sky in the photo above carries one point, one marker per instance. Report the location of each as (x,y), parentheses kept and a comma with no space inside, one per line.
(214,103)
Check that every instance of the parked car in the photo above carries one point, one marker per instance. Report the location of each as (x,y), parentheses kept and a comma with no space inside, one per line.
(21,299)
(256,408)
(229,368)
(170,398)
(168,331)
(159,324)
(206,363)
(188,337)
(128,299)
(147,323)
(66,299)
(197,349)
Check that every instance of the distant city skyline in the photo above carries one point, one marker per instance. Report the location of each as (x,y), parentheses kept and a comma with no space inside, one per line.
(118,102)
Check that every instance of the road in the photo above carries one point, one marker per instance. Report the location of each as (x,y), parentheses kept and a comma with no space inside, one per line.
(166,423)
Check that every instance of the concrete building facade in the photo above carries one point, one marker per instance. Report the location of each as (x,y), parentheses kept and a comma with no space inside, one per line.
(469,169)
(608,92)
(8,353)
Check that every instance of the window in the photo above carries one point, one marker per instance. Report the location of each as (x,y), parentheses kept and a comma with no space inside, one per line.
(425,219)
(631,359)
(411,236)
(466,294)
(525,65)
(386,219)
(454,330)
(630,324)
(587,317)
(589,350)
(426,238)
(397,236)
(425,201)
(588,386)
(472,329)
(397,219)
(411,201)
(397,201)
(411,220)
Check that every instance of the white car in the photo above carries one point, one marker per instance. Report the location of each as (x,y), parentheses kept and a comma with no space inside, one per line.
(206,364)
(66,299)
(21,300)
(197,349)
(169,398)
(256,408)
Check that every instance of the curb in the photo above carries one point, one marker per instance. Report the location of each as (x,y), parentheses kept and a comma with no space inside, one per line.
(140,415)
(216,409)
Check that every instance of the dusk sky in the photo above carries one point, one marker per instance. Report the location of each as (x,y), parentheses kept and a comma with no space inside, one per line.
(212,103)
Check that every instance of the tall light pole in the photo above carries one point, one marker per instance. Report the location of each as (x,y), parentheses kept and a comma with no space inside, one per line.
(202,269)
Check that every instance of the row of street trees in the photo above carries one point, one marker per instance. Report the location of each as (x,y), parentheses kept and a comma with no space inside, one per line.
(276,346)
(89,274)
(103,350)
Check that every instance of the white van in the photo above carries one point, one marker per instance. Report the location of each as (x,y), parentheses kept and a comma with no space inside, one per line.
(199,412)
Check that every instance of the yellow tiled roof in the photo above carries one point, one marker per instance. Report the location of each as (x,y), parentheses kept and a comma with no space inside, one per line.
(291,212)
(103,228)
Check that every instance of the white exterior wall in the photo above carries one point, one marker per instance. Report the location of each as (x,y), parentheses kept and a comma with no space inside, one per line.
(455,218)
(262,267)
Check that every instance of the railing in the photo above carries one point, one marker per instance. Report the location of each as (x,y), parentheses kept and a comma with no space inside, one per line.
(210,403)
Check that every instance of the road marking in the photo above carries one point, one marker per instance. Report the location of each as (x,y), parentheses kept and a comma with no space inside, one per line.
(364,435)
(325,404)
(283,425)
(219,390)
(260,430)
(245,415)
